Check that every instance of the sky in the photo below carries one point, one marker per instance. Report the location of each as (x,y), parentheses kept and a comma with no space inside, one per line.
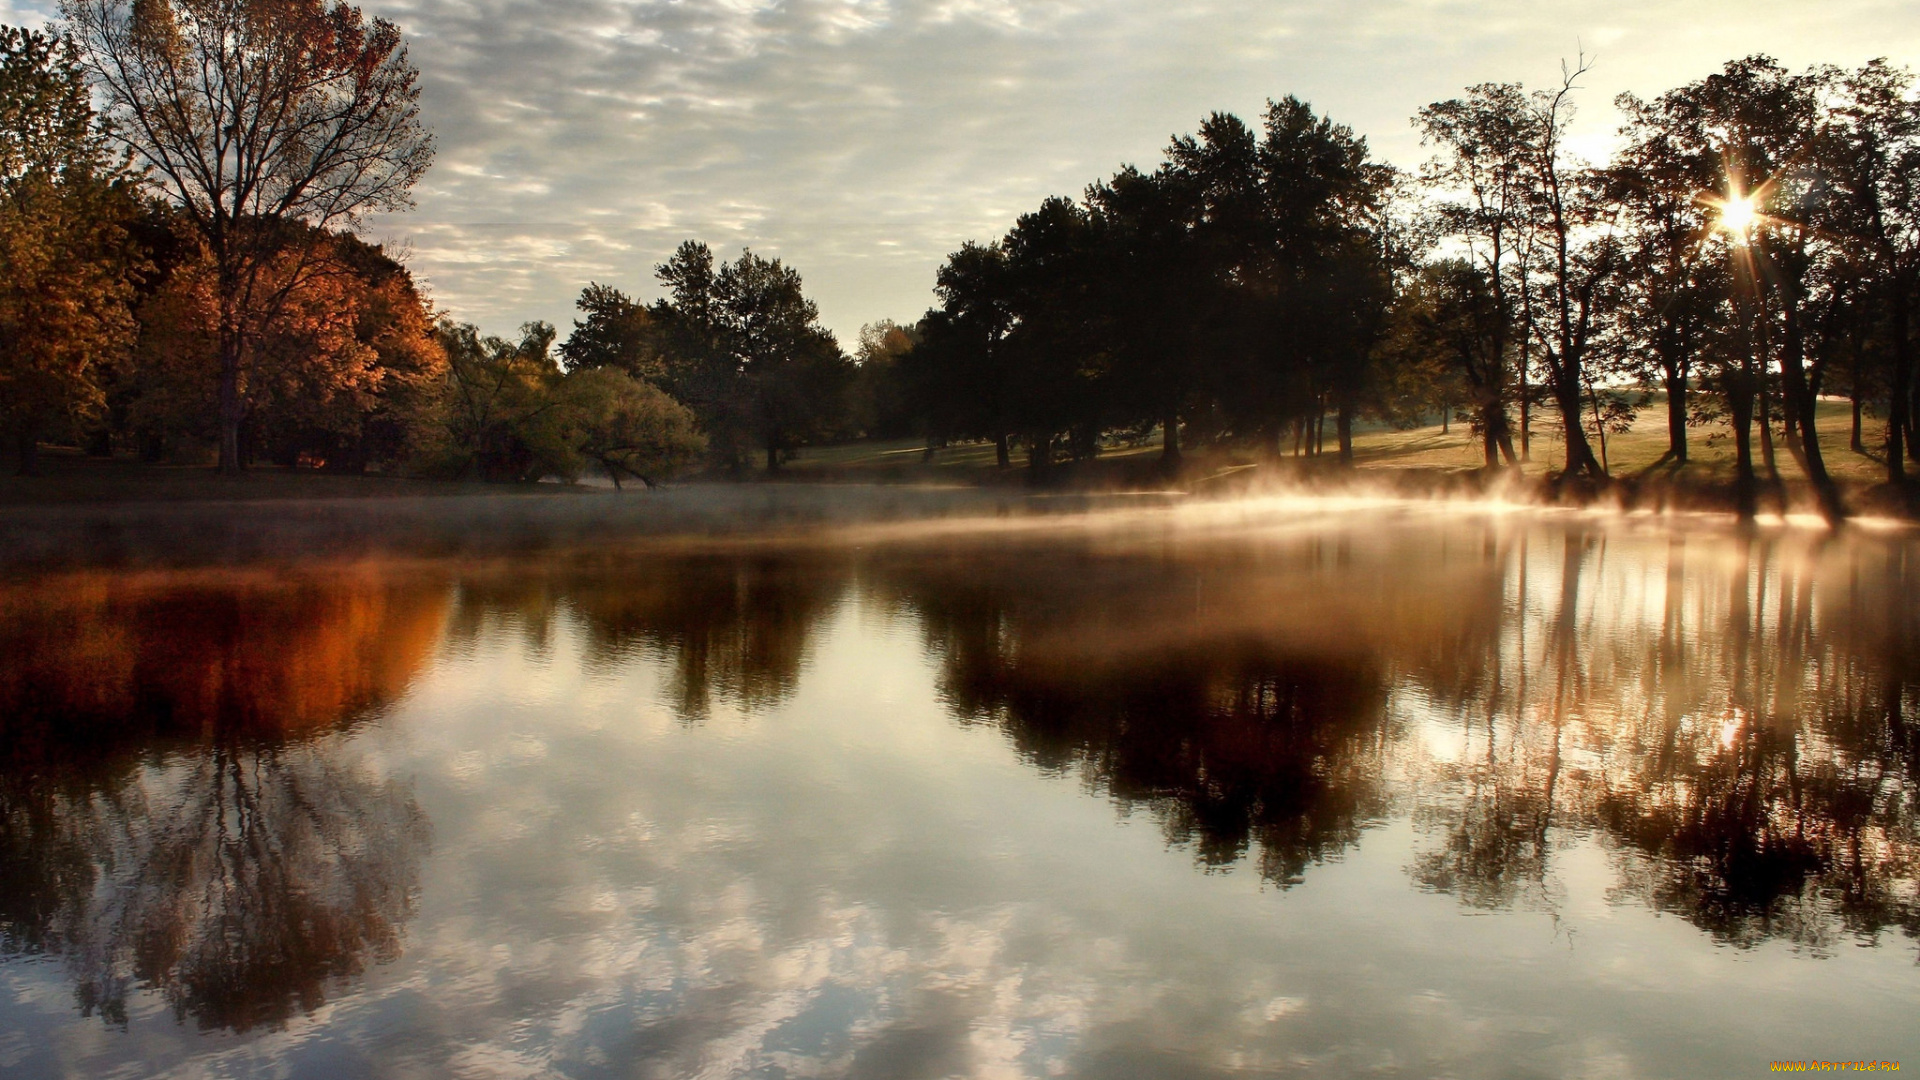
(861,141)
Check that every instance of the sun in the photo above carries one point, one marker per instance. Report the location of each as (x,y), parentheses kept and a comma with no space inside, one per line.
(1738,217)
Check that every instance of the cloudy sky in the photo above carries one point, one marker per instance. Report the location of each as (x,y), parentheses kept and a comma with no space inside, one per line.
(862,140)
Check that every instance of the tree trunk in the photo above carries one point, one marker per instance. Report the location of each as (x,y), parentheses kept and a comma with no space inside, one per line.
(1897,400)
(231,412)
(773,457)
(1801,410)
(1740,410)
(1039,456)
(1854,443)
(1766,437)
(1526,411)
(1001,455)
(1676,417)
(1566,394)
(1343,425)
(1170,439)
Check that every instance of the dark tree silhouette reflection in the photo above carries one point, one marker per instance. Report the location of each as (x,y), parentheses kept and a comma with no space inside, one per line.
(732,628)
(178,810)
(1734,718)
(1238,741)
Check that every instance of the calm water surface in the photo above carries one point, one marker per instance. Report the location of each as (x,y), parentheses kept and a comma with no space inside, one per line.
(1379,792)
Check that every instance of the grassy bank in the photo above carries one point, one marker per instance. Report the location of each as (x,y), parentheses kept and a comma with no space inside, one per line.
(1433,457)
(69,477)
(1417,461)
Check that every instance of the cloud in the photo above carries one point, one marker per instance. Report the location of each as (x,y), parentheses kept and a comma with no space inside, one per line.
(863,140)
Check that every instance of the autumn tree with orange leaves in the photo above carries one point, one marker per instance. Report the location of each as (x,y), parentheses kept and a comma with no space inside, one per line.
(261,121)
(65,260)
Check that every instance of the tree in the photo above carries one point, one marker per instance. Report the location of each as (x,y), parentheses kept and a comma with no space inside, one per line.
(1164,282)
(1322,258)
(255,116)
(1486,145)
(744,348)
(624,425)
(496,400)
(1673,289)
(338,377)
(962,373)
(1752,129)
(1580,256)
(1874,140)
(510,413)
(617,333)
(66,262)
(880,399)
(1055,343)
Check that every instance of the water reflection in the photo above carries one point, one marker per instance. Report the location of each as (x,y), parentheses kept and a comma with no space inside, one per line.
(1735,715)
(877,871)
(732,628)
(1154,694)
(178,811)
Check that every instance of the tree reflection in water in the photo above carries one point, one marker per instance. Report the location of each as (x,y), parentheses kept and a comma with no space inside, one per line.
(1730,720)
(1734,719)
(732,628)
(178,810)
(1234,741)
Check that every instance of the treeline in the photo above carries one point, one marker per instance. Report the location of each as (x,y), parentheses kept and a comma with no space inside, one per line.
(1752,246)
(185,289)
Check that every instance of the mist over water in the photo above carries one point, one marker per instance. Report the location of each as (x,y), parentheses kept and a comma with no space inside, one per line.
(1007,789)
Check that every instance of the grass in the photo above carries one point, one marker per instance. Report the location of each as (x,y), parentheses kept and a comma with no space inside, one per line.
(1633,453)
(1428,455)
(68,476)
(1640,452)
(1408,458)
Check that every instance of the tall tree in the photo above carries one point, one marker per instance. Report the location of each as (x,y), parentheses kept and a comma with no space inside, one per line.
(1578,254)
(1325,251)
(1754,129)
(254,116)
(1057,342)
(962,374)
(1874,141)
(1674,287)
(1487,147)
(617,333)
(746,350)
(65,256)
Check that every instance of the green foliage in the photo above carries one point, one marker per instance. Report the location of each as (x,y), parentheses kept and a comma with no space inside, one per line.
(617,333)
(623,425)
(509,412)
(742,346)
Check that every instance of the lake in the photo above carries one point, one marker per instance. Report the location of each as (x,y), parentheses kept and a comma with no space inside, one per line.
(1291,787)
